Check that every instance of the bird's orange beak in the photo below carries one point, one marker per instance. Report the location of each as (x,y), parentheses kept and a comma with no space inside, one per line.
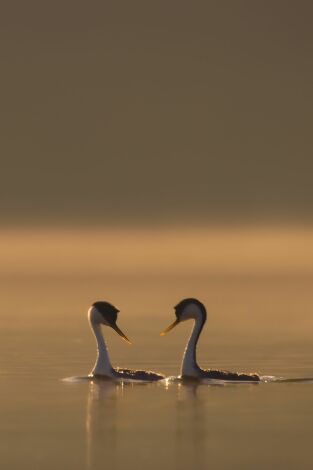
(169,328)
(120,333)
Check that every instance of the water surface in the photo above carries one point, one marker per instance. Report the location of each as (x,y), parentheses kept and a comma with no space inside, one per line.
(257,321)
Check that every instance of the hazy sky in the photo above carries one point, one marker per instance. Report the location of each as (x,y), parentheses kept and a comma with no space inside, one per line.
(156,111)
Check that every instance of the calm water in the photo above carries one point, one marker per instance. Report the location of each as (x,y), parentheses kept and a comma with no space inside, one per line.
(256,323)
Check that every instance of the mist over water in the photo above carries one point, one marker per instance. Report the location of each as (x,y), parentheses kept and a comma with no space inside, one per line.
(254,281)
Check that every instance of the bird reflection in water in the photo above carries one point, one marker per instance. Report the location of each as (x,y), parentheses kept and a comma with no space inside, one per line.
(192,425)
(101,423)
(181,412)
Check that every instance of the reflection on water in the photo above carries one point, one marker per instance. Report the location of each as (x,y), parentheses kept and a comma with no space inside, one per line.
(104,431)
(107,421)
(104,420)
(121,418)
(191,428)
(181,425)
(101,422)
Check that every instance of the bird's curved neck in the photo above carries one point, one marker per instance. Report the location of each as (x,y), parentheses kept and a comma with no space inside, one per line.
(189,367)
(103,364)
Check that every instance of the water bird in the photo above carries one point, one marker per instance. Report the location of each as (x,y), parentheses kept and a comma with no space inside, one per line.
(104,313)
(193,309)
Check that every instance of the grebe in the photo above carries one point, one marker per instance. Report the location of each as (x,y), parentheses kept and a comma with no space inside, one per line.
(193,309)
(104,313)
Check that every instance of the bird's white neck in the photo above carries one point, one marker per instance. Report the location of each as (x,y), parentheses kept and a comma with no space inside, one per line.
(189,366)
(103,365)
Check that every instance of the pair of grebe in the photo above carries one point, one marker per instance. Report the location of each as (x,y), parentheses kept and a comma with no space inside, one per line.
(104,313)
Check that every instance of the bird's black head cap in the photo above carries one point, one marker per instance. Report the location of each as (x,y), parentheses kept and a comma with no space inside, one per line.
(179,308)
(107,310)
